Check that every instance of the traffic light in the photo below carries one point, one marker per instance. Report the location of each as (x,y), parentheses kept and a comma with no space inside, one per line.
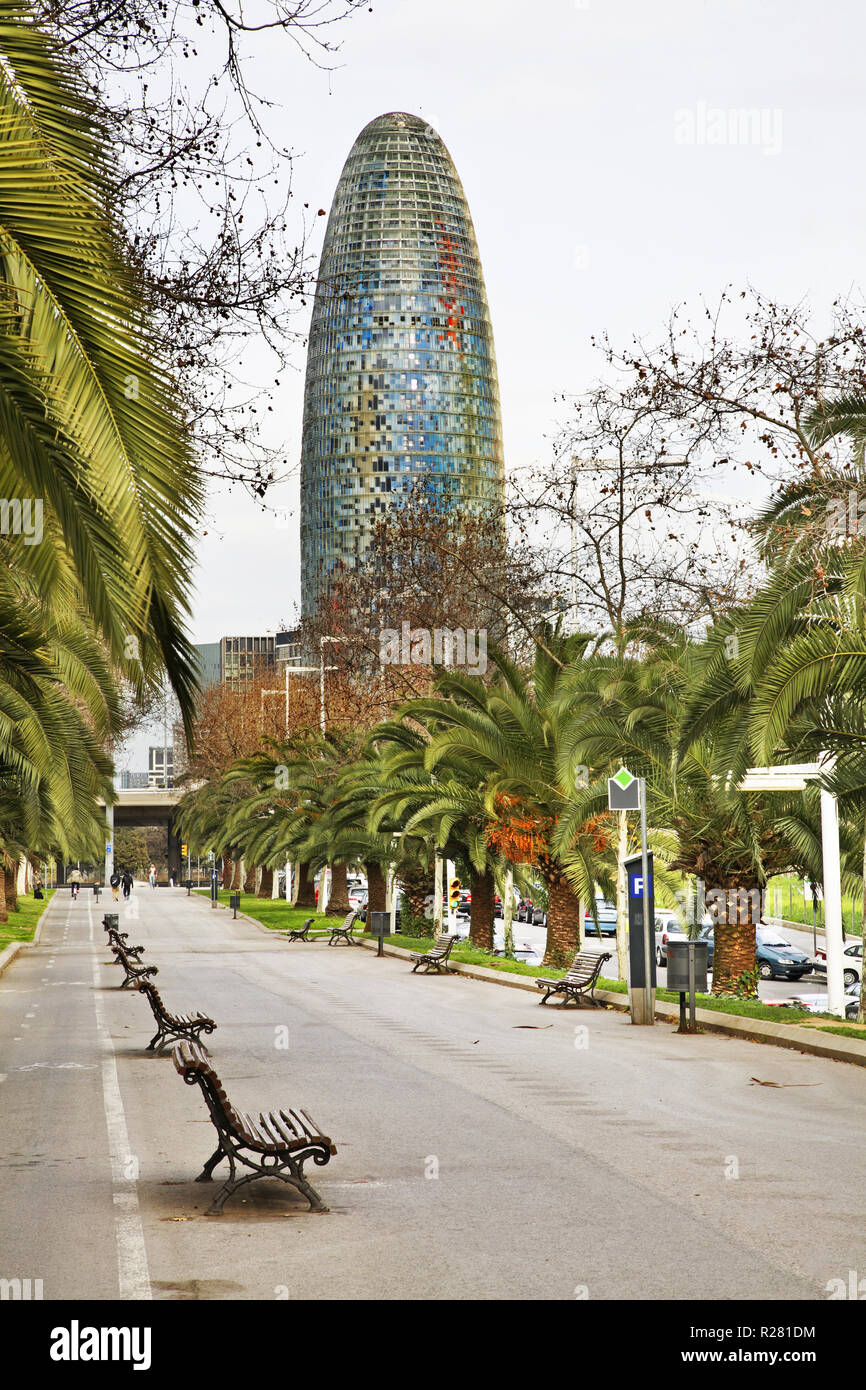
(454,894)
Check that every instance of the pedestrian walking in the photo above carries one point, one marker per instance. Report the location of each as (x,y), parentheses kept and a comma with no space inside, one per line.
(126,882)
(151,875)
(37,887)
(115,884)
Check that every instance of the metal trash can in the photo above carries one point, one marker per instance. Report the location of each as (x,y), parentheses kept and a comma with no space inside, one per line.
(680,954)
(111,919)
(380,924)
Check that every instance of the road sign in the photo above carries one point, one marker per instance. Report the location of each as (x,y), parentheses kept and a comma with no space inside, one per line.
(623,791)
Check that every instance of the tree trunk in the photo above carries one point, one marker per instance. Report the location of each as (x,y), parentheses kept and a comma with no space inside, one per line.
(564,922)
(228,870)
(306,888)
(237,871)
(338,903)
(11,885)
(736,911)
(250,880)
(266,887)
(4,911)
(375,890)
(416,881)
(483,891)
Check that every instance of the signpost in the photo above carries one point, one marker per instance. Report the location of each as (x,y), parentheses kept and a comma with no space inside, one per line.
(625,792)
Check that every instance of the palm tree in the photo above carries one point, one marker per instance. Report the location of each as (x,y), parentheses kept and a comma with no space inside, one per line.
(510,734)
(90,434)
(665,715)
(447,806)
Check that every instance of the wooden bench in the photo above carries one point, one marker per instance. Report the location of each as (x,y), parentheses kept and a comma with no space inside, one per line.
(300,933)
(173,1027)
(120,939)
(135,971)
(275,1144)
(345,930)
(582,976)
(437,957)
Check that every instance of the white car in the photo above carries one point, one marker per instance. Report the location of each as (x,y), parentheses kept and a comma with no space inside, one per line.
(852,963)
(668,928)
(817,1003)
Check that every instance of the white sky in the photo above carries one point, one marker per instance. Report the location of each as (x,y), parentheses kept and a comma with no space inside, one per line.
(561,118)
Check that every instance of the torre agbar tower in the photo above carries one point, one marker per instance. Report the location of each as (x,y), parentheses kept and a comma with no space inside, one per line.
(401,390)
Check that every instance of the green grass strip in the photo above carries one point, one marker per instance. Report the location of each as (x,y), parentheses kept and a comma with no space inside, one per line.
(22,924)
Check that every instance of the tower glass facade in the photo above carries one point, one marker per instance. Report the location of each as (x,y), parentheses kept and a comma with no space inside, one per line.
(401,388)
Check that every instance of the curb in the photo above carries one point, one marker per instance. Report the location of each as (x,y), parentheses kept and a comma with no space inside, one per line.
(8,954)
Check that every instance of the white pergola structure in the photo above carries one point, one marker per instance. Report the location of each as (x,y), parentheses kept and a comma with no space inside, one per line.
(794,779)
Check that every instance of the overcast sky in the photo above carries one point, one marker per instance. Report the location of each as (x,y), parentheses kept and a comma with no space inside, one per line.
(583,133)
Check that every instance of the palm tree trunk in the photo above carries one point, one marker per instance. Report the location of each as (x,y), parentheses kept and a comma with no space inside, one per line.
(4,911)
(228,871)
(11,884)
(306,888)
(483,891)
(250,880)
(564,922)
(266,887)
(237,873)
(339,900)
(376,887)
(736,912)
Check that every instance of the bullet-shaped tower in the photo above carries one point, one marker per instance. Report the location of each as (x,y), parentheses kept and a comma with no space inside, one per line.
(401,388)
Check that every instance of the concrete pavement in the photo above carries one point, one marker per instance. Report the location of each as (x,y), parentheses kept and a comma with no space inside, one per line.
(486,1147)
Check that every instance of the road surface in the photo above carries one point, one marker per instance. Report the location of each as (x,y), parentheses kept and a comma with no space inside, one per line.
(487,1147)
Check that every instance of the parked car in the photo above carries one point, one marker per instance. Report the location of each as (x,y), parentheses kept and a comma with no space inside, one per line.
(668,928)
(852,963)
(358,899)
(606,919)
(775,957)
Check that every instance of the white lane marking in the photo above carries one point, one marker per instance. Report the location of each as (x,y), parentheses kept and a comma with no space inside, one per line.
(2,1076)
(132,1270)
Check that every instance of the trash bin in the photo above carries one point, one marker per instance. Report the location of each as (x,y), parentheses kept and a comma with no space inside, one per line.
(380,924)
(680,953)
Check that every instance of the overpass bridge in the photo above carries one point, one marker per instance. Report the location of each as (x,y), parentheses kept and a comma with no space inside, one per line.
(140,806)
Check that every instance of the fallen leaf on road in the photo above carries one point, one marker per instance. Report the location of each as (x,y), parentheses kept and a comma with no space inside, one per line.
(758,1082)
(540,1026)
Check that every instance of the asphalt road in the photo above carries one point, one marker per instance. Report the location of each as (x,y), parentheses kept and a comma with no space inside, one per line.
(486,1147)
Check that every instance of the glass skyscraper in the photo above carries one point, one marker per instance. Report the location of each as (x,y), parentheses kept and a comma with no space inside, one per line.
(401,389)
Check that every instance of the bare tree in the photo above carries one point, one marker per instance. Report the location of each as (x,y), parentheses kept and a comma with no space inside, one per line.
(203,191)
